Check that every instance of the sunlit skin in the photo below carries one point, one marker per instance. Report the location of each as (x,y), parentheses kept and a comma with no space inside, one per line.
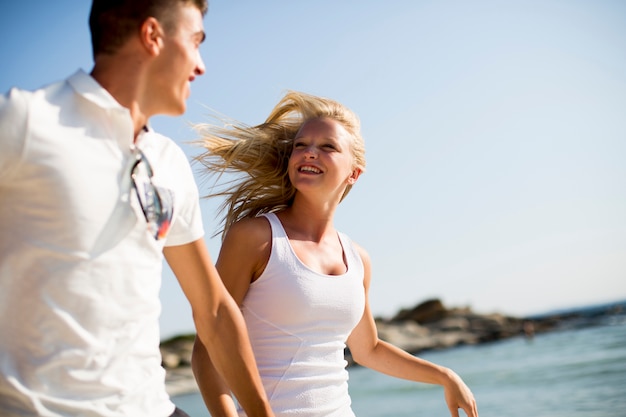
(320,167)
(151,73)
(178,62)
(321,162)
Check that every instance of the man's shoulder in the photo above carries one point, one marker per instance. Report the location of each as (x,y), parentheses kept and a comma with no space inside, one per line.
(18,92)
(18,98)
(17,104)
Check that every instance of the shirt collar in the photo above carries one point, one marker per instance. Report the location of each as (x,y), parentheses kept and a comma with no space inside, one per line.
(86,86)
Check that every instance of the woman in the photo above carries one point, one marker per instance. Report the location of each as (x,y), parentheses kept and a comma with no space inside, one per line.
(302,285)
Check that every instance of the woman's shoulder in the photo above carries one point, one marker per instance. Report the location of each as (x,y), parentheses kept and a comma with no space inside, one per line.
(249,242)
(250,230)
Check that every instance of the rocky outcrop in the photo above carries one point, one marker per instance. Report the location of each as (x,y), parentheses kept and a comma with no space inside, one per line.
(176,359)
(176,352)
(440,327)
(429,325)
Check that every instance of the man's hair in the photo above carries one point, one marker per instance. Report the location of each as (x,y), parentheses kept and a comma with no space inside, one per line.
(112,22)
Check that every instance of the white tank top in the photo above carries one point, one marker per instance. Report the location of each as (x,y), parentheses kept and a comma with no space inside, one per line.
(298,321)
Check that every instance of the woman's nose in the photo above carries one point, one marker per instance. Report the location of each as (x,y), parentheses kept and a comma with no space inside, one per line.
(310,153)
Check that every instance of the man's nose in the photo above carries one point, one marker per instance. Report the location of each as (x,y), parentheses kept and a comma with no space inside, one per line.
(200,68)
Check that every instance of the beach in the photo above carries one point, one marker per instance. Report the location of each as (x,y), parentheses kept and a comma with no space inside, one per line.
(571,372)
(583,360)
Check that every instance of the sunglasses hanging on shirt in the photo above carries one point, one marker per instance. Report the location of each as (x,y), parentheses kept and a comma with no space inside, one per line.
(156,202)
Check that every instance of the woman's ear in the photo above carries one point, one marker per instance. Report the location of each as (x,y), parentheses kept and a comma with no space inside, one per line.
(356,172)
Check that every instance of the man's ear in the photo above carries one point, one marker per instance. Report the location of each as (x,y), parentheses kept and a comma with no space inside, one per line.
(151,33)
(356,172)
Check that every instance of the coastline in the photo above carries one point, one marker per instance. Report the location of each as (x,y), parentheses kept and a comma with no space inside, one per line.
(180,381)
(427,326)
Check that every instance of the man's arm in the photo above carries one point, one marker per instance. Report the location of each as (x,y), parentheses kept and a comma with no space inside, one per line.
(219,324)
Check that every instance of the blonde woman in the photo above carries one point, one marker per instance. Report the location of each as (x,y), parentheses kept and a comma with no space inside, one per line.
(302,285)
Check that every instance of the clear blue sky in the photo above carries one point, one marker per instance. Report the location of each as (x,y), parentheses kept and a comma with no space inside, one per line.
(496,133)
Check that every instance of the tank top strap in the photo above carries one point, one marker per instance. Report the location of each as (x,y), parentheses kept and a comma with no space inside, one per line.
(278,231)
(282,248)
(352,254)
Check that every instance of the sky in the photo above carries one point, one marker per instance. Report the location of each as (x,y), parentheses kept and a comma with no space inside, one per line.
(495,133)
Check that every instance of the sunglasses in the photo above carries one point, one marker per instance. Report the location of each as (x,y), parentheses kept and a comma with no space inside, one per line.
(156,202)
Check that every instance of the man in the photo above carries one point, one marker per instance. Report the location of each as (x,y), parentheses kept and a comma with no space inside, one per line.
(90,200)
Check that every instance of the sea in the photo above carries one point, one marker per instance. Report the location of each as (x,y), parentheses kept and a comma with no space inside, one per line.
(576,371)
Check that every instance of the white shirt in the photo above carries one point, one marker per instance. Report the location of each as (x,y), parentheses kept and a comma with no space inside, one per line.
(79,272)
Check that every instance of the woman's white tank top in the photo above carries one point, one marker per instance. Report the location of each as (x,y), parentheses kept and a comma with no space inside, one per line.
(298,321)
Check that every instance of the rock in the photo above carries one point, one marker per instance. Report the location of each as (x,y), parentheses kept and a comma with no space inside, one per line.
(180,381)
(407,335)
(449,339)
(426,312)
(176,352)
(450,324)
(170,360)
(429,325)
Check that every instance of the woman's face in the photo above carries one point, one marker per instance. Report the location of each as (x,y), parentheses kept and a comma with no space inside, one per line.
(322,159)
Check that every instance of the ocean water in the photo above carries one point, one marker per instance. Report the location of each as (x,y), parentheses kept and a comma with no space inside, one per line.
(572,372)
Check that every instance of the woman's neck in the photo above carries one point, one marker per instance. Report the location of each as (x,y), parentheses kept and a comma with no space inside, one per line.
(308,222)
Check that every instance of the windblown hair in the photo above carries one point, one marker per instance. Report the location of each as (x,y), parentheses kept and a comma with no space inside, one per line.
(261,153)
(112,22)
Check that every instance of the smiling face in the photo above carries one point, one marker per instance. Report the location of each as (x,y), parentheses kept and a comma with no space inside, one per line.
(179,62)
(322,158)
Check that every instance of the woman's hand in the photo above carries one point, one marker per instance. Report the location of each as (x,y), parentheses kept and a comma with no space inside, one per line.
(458,396)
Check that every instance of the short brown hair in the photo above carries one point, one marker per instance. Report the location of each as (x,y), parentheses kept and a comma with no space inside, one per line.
(112,22)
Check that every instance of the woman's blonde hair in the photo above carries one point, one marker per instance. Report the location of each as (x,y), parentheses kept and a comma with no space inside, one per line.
(262,153)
